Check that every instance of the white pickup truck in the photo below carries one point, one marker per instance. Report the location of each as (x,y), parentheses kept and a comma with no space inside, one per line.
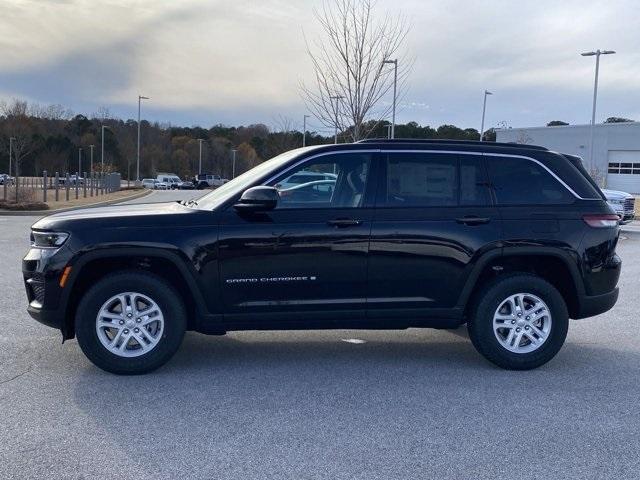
(206,180)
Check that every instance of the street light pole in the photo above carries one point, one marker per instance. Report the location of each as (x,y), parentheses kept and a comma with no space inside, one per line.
(304,130)
(233,172)
(79,161)
(337,98)
(395,86)
(102,149)
(597,54)
(200,140)
(388,127)
(484,109)
(140,98)
(91,164)
(11,139)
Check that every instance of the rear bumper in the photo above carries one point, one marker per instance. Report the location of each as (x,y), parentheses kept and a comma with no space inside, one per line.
(597,304)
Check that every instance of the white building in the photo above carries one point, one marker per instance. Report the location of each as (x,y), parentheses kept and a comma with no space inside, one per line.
(616,149)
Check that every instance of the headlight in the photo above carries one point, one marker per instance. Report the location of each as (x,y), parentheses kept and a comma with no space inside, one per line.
(616,201)
(48,239)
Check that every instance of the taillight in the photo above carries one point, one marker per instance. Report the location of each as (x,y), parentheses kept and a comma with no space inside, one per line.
(601,221)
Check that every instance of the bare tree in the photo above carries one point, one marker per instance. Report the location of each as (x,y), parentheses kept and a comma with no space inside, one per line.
(18,124)
(102,114)
(51,112)
(284,135)
(350,77)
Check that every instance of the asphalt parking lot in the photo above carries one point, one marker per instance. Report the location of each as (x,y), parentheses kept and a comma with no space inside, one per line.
(401,404)
(157,196)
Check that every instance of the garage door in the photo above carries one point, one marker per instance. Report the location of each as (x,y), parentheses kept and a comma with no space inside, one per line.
(624,170)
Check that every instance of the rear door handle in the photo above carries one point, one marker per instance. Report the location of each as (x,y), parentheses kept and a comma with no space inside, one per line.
(473,220)
(344,222)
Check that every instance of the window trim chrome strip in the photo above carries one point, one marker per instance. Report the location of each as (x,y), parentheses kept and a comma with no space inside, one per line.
(447,152)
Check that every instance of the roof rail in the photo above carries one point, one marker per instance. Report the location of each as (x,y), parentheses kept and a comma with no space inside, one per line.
(451,142)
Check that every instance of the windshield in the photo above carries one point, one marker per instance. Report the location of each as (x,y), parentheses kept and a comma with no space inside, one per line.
(242,182)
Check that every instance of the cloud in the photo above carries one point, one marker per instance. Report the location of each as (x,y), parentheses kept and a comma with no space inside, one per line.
(241,62)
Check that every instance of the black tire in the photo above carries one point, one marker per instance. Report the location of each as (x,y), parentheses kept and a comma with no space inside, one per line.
(153,286)
(480,325)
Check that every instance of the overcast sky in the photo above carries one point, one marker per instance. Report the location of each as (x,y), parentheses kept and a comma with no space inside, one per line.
(239,62)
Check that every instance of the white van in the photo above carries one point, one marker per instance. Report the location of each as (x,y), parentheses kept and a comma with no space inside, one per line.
(170,179)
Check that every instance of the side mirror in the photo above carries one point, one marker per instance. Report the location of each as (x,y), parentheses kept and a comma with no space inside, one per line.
(258,199)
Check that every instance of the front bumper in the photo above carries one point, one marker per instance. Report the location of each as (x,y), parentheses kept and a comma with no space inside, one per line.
(626,211)
(41,271)
(627,218)
(50,318)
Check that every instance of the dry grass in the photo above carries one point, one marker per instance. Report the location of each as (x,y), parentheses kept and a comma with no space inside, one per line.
(27,195)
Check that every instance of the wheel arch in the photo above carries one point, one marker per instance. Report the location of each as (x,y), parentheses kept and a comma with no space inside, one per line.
(92,266)
(557,267)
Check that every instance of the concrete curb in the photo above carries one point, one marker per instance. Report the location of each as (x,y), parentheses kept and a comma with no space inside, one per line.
(43,213)
(630,229)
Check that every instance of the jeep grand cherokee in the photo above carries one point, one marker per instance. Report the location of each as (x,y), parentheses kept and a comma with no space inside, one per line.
(512,240)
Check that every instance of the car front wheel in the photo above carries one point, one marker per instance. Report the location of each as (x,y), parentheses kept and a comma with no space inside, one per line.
(130,323)
(520,322)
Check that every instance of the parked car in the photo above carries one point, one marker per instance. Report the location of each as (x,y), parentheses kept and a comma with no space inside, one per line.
(186,185)
(171,180)
(8,179)
(305,177)
(73,179)
(318,191)
(511,240)
(149,183)
(207,180)
(622,203)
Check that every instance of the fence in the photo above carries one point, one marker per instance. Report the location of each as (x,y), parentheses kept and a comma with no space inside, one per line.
(59,187)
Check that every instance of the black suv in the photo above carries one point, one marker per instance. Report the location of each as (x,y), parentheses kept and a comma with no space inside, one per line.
(512,240)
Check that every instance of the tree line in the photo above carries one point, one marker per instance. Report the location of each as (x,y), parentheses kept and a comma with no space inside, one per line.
(50,138)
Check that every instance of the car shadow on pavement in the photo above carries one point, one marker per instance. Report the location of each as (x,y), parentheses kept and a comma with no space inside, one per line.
(247,395)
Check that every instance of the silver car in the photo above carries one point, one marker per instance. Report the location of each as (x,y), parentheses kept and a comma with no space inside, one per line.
(623,204)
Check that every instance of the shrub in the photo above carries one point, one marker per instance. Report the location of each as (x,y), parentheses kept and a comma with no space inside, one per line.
(28,199)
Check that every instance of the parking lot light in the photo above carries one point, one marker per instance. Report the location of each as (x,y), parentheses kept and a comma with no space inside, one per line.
(395,96)
(11,139)
(484,109)
(304,130)
(596,54)
(140,98)
(102,146)
(200,140)
(233,171)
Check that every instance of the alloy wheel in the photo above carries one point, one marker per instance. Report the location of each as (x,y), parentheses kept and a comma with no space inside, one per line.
(522,323)
(130,324)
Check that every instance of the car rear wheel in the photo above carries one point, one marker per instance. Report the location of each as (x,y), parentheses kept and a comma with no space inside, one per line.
(520,322)
(130,323)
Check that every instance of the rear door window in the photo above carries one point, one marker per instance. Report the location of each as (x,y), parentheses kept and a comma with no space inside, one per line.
(420,180)
(518,181)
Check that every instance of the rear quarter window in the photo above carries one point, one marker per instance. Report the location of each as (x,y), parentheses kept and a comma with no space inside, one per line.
(518,181)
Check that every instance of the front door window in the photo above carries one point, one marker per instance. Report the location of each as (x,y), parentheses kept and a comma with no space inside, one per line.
(336,181)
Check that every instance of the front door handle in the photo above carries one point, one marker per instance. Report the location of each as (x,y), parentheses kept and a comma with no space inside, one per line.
(344,222)
(473,220)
